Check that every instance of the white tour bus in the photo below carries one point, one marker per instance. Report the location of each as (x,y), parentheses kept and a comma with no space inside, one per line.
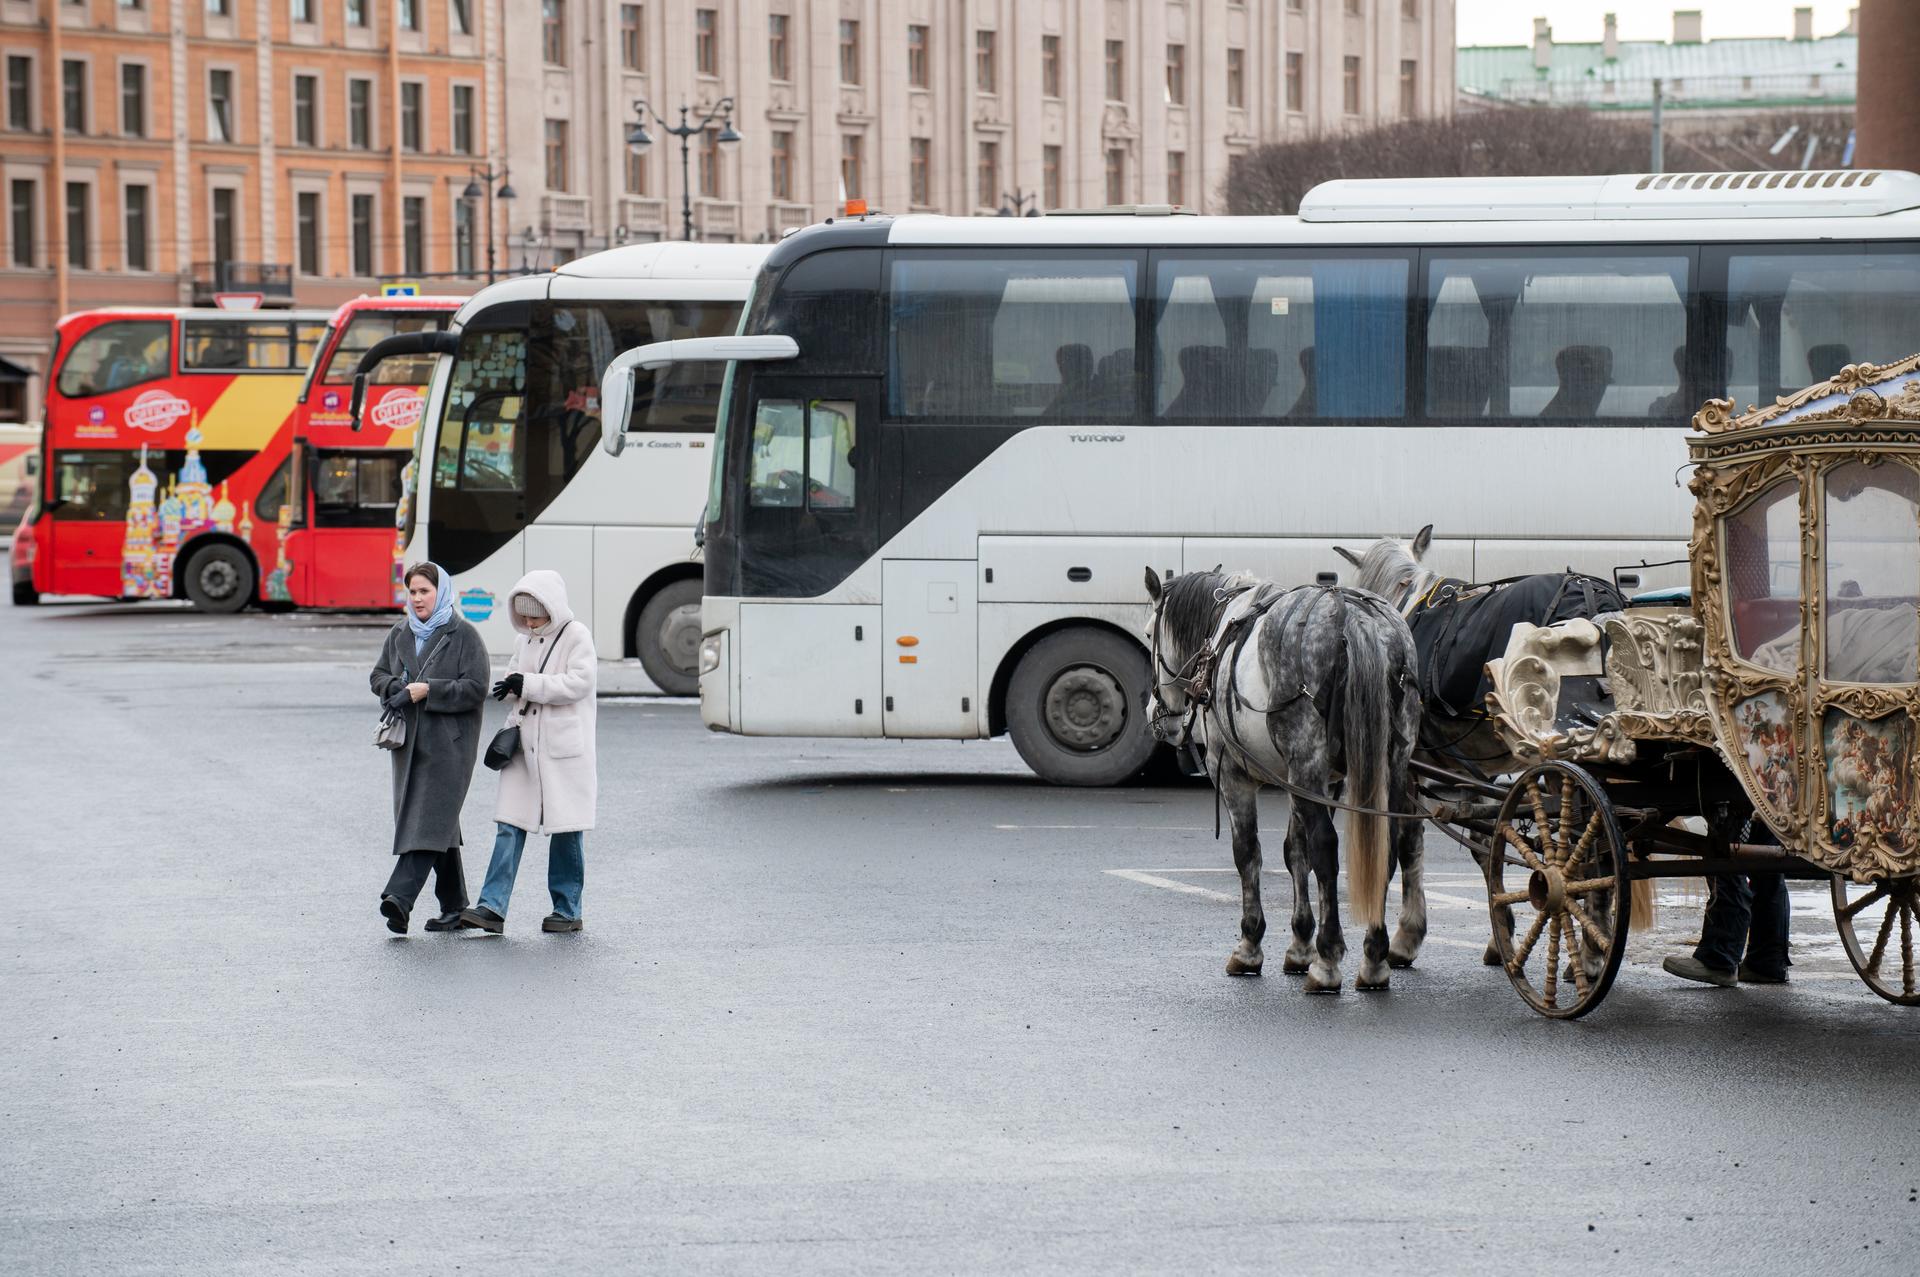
(507,474)
(949,447)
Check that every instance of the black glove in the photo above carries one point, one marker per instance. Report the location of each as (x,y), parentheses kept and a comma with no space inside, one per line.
(399,699)
(508,686)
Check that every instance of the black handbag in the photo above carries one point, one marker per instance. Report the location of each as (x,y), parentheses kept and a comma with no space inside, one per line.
(506,742)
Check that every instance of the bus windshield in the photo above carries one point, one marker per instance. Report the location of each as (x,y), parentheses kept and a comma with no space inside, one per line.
(115,356)
(366,328)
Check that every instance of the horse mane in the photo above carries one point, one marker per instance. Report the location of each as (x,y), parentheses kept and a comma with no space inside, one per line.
(1388,569)
(1191,604)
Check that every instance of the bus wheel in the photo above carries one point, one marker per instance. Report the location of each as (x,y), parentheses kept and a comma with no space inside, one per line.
(24,595)
(1075,708)
(219,579)
(667,638)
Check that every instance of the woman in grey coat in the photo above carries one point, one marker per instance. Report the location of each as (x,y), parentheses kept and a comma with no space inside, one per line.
(433,670)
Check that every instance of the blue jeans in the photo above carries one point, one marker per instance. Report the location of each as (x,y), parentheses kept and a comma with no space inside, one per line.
(566,870)
(1746,917)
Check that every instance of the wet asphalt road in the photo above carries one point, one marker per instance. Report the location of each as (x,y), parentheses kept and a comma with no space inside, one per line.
(839,1007)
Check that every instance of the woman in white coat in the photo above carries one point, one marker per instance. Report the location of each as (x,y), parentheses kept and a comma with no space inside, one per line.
(551,784)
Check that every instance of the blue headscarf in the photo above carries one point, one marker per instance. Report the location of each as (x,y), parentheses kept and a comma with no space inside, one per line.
(442,612)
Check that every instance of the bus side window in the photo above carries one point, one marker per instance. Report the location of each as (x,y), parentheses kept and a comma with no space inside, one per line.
(115,356)
(778,475)
(1799,318)
(830,444)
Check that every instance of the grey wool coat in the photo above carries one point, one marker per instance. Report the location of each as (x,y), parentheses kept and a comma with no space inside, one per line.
(431,774)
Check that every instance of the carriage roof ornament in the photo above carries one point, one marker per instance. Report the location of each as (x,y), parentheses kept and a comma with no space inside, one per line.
(1862,394)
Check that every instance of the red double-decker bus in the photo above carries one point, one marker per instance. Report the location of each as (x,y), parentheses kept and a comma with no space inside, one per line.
(208,455)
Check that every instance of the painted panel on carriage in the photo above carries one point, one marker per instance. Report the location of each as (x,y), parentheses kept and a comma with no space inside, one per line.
(1869,781)
(1763,728)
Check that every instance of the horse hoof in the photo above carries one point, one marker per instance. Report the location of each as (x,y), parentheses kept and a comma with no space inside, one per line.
(1369,986)
(1491,958)
(1399,961)
(1319,984)
(1237,965)
(1295,966)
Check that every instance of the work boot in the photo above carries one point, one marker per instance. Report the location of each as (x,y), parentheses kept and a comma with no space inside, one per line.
(558,922)
(1749,975)
(395,913)
(445,922)
(1694,969)
(484,919)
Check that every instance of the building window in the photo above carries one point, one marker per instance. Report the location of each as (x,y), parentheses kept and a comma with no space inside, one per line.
(1177,74)
(411,125)
(301,11)
(463,254)
(225,221)
(920,171)
(633,49)
(306,218)
(361,217)
(987,175)
(1297,5)
(1355,7)
(356,13)
(710,164)
(1176,177)
(73,96)
(133,100)
(1116,70)
(1050,66)
(1410,9)
(463,119)
(460,16)
(135,210)
(852,165)
(1236,78)
(409,14)
(20,202)
(553,32)
(779,55)
(215,8)
(986,69)
(1296,82)
(1350,85)
(79,246)
(917,38)
(413,233)
(1050,177)
(636,171)
(783,165)
(706,41)
(220,106)
(19,91)
(306,110)
(558,165)
(849,52)
(1409,87)
(360,114)
(1116,175)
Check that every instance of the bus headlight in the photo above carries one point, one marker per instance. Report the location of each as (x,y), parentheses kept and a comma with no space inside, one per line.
(710,653)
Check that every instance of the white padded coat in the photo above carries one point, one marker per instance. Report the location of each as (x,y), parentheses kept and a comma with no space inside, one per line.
(552,784)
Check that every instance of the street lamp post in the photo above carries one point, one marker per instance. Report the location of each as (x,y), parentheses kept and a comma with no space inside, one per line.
(640,139)
(1012,203)
(479,182)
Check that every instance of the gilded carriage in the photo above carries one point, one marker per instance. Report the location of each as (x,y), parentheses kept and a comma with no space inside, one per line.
(1766,723)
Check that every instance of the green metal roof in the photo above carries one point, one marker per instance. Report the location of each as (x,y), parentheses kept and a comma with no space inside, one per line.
(1755,72)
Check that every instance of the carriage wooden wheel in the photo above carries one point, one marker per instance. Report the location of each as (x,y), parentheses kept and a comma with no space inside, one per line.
(1877,922)
(1557,889)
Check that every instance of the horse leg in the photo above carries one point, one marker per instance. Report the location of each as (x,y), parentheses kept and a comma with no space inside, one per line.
(1323,855)
(1300,952)
(1409,853)
(1239,794)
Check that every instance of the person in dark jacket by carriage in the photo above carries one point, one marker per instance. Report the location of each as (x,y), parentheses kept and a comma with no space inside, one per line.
(433,671)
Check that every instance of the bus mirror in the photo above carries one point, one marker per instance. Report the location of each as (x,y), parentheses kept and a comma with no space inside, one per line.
(434,342)
(359,399)
(616,384)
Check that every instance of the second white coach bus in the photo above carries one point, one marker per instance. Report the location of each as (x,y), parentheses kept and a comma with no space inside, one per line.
(951,446)
(507,475)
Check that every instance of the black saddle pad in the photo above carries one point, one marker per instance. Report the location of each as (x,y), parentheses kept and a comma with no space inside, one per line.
(1462,627)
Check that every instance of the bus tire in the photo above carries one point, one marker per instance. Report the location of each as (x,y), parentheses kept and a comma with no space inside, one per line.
(219,578)
(666,637)
(1076,708)
(24,595)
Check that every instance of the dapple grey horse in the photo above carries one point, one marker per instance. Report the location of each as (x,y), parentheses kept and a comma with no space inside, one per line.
(1313,690)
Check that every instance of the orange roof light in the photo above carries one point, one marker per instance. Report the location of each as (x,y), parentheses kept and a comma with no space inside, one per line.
(856,208)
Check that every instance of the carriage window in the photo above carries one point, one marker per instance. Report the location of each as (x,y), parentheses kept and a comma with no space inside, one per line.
(1253,338)
(1557,339)
(1045,336)
(115,356)
(1793,320)
(1760,549)
(1871,604)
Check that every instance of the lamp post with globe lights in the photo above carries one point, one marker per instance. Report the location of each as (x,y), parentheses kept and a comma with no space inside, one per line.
(640,139)
(479,182)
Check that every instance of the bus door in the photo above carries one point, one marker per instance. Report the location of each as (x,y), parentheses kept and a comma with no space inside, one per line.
(356,494)
(85,528)
(815,667)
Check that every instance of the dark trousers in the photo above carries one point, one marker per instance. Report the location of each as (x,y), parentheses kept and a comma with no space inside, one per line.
(410,870)
(1746,918)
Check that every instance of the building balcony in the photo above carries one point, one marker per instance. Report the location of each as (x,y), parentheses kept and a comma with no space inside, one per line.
(272,280)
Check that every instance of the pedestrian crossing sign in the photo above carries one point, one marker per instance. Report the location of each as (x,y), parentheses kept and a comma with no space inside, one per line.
(400,290)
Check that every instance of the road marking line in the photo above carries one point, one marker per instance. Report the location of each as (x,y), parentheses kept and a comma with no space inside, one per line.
(1168,884)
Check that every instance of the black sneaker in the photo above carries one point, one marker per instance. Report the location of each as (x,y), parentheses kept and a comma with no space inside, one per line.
(445,922)
(1694,969)
(395,913)
(558,922)
(484,919)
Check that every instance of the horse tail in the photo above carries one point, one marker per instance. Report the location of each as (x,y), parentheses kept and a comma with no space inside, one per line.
(1368,734)
(1641,911)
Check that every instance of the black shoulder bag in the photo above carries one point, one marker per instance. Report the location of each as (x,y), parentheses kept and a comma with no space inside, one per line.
(506,742)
